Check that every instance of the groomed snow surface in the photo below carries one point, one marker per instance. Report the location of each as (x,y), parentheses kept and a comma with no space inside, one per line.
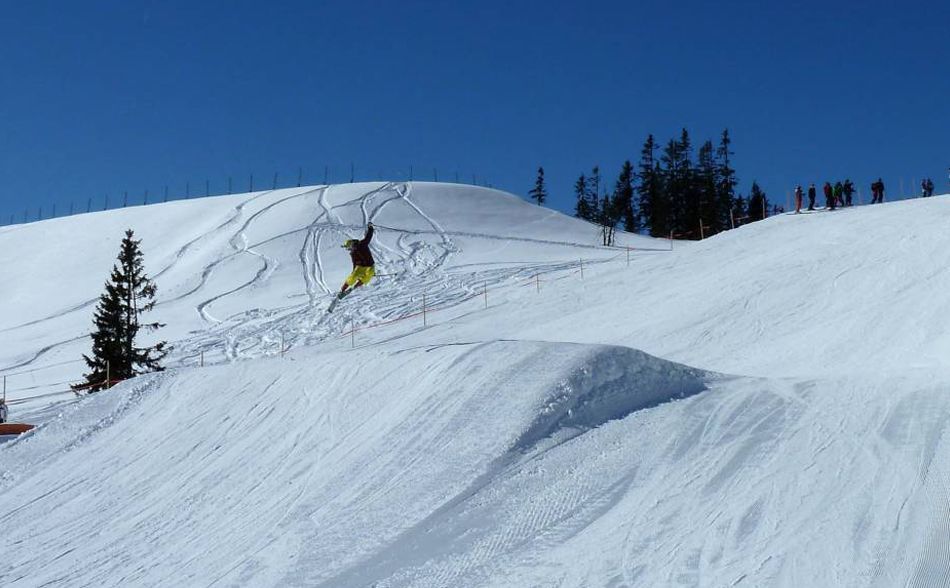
(764,408)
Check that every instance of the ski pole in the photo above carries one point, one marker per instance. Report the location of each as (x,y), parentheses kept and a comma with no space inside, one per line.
(384,227)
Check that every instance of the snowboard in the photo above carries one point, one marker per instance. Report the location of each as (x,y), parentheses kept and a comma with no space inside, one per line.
(336,300)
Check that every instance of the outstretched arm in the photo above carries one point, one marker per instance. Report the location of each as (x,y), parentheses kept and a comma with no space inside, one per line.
(369,234)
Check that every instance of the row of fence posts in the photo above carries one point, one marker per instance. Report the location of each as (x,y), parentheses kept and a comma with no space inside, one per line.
(536,278)
(230,190)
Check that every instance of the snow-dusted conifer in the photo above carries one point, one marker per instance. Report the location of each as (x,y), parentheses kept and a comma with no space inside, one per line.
(128,293)
(539,193)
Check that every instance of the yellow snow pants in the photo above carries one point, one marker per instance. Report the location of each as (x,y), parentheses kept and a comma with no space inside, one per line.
(361,273)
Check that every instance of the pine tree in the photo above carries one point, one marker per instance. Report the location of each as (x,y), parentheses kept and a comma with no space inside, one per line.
(678,183)
(654,207)
(725,177)
(758,203)
(582,206)
(539,193)
(607,220)
(623,203)
(129,292)
(593,194)
(706,189)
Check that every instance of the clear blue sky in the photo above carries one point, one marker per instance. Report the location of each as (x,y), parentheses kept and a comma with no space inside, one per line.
(104,97)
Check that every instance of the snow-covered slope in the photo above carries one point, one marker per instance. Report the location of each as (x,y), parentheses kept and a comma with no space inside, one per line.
(786,430)
(236,274)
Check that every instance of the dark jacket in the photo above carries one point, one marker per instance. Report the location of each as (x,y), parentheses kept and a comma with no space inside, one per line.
(360,253)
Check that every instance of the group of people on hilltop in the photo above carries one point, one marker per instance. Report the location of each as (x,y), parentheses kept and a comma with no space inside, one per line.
(841,194)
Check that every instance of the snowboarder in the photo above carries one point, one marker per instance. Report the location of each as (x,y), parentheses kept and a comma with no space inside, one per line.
(798,199)
(839,194)
(363,264)
(829,196)
(848,190)
(930,187)
(811,196)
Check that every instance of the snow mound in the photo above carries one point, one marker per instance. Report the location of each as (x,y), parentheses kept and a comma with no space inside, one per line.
(302,470)
(609,383)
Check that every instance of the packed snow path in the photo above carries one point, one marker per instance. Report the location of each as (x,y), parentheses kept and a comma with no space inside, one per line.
(523,444)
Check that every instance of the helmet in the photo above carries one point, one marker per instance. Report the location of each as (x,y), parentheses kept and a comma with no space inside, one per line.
(349,243)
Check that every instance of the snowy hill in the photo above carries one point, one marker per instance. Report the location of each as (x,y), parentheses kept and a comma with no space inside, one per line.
(786,428)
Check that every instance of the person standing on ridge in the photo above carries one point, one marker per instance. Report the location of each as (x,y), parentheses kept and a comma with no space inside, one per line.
(798,199)
(877,189)
(848,191)
(839,194)
(363,263)
(811,196)
(829,196)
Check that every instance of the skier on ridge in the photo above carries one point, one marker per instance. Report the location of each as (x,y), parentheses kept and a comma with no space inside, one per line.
(363,263)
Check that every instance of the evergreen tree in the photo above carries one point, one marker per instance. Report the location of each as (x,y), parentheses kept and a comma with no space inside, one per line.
(539,193)
(129,293)
(623,205)
(725,177)
(654,207)
(582,206)
(679,184)
(739,210)
(593,194)
(710,210)
(607,220)
(758,203)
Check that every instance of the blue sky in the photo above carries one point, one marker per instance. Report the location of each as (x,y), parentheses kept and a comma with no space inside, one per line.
(104,97)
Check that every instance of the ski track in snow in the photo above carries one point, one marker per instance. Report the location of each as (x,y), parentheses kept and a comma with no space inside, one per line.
(246,334)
